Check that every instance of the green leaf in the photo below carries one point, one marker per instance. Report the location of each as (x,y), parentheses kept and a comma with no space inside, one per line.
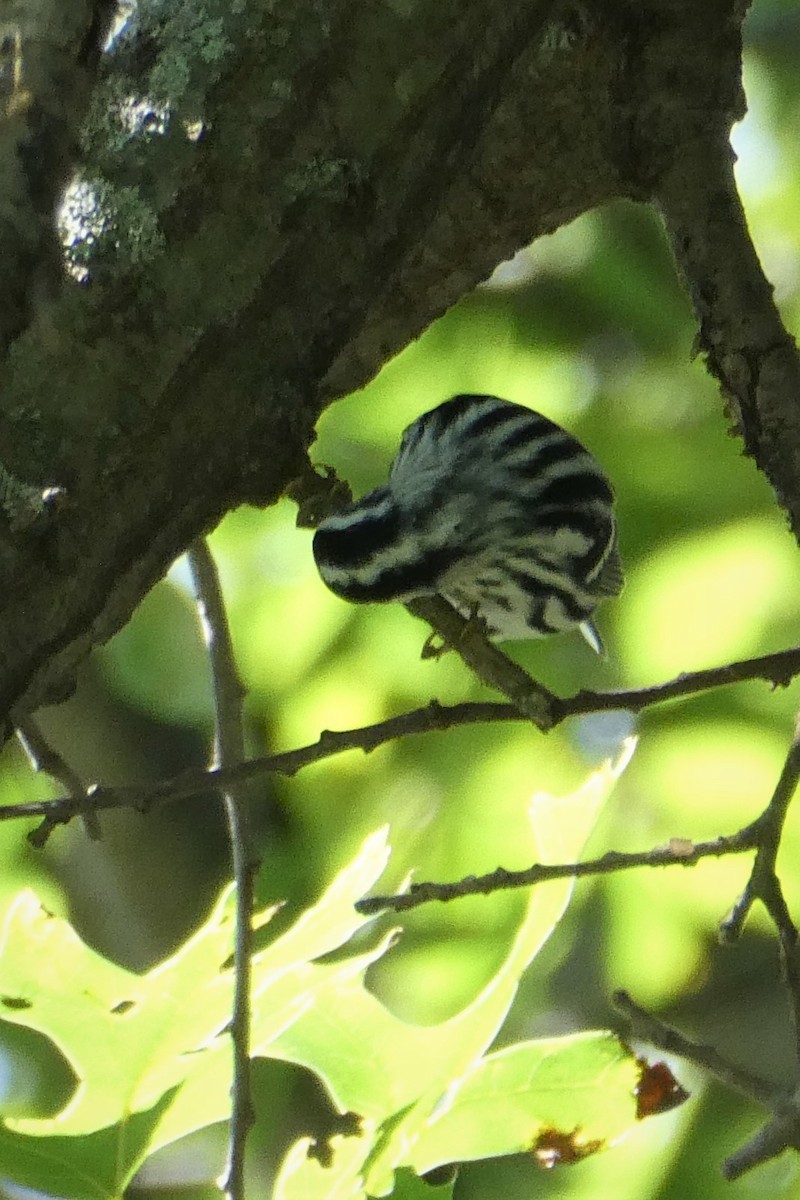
(125,1036)
(152,1052)
(97,1166)
(580,1088)
(395,1075)
(303,1177)
(130,1039)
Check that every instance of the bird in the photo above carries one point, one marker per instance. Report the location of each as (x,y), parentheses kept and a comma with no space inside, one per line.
(493,506)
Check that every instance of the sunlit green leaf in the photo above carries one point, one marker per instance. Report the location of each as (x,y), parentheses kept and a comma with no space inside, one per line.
(580,1088)
(394,1074)
(130,1039)
(95,1166)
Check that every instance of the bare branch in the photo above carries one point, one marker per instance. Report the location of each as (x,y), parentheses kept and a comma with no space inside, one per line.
(547,710)
(777,668)
(433,716)
(43,757)
(486,660)
(229,750)
(764,884)
(780,1133)
(678,853)
(650,1029)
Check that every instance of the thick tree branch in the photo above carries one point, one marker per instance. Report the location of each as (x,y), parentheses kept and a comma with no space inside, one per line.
(173,386)
(49,57)
(745,343)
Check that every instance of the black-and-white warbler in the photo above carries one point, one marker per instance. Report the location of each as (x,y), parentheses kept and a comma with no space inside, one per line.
(492,506)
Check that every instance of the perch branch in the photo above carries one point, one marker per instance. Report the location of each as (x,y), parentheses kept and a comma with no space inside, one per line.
(777,669)
(486,660)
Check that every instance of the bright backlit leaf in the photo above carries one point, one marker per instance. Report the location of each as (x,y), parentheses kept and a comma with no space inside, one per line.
(397,1076)
(152,1054)
(132,1039)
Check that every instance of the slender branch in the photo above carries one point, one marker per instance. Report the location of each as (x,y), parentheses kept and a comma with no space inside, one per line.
(780,1133)
(650,1029)
(678,853)
(778,669)
(229,750)
(486,660)
(790,971)
(145,797)
(763,835)
(45,758)
(764,883)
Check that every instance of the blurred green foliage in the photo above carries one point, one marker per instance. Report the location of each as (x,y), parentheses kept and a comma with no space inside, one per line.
(591,327)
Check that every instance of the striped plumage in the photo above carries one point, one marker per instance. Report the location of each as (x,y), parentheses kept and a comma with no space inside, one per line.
(494,507)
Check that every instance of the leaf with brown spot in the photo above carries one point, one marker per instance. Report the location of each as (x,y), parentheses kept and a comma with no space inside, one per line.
(557,1147)
(658,1091)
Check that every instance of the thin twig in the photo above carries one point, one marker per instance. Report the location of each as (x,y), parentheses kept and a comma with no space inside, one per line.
(229,750)
(768,829)
(486,660)
(45,758)
(678,853)
(778,669)
(650,1029)
(145,797)
(781,1132)
(764,883)
(778,1134)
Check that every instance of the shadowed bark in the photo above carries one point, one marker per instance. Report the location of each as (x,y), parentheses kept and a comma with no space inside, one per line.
(330,177)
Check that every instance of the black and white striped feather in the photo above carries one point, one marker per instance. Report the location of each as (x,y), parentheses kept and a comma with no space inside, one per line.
(492,506)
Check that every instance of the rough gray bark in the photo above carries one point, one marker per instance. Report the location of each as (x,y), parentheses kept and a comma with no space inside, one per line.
(358,167)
